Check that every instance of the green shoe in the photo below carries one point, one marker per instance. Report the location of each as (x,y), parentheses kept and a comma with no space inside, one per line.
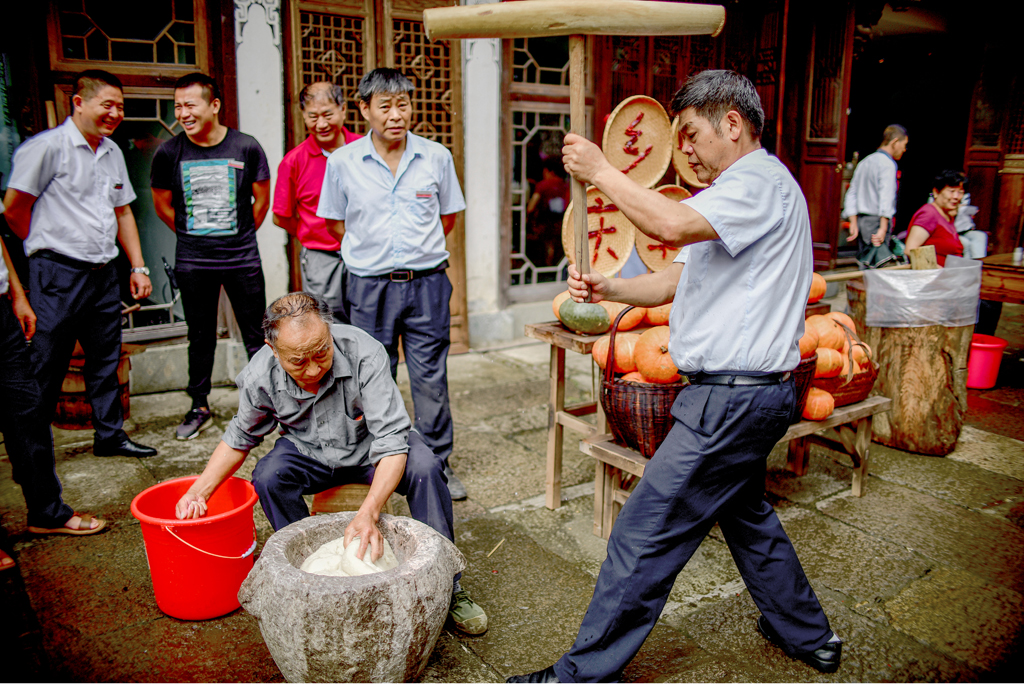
(469,618)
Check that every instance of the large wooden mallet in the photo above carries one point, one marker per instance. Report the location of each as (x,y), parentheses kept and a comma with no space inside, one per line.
(574,18)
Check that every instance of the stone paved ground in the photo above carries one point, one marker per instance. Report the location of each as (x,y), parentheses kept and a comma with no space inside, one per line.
(923,577)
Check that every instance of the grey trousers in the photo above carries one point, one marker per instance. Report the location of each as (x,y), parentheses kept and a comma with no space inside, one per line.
(323,273)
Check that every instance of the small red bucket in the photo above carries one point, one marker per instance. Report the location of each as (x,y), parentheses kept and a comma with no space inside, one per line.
(198,565)
(983,364)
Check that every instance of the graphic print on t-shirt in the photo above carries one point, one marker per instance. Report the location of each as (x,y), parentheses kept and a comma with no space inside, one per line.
(210,196)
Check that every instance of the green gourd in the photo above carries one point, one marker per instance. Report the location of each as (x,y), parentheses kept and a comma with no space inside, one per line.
(587,319)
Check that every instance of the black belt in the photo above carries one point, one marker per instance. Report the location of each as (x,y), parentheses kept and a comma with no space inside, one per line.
(56,257)
(702,378)
(406,276)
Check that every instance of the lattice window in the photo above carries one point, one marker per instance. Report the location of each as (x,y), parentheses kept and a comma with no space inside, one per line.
(428,64)
(537,255)
(541,61)
(116,31)
(332,50)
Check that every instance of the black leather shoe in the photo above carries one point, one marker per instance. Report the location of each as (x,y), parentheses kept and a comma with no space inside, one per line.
(825,659)
(121,446)
(545,675)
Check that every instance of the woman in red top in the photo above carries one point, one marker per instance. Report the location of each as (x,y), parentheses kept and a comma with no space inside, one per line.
(932,224)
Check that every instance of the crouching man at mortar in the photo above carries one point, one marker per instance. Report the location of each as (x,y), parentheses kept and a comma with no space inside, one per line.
(329,387)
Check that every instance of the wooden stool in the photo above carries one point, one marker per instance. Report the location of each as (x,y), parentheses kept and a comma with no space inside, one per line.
(344,498)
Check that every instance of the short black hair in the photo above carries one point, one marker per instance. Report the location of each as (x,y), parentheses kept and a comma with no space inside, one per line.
(893,132)
(321,89)
(294,305)
(91,81)
(949,178)
(383,80)
(209,86)
(716,92)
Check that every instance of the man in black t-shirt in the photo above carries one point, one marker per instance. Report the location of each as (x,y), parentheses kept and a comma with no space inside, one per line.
(211,186)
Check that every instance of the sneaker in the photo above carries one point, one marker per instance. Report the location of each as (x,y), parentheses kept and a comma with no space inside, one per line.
(469,618)
(455,486)
(196,420)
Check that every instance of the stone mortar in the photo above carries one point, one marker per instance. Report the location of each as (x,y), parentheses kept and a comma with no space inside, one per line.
(379,627)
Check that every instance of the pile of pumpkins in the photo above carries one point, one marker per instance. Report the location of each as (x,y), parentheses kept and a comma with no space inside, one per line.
(639,357)
(825,336)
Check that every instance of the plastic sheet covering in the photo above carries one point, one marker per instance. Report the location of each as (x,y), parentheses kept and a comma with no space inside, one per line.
(913,299)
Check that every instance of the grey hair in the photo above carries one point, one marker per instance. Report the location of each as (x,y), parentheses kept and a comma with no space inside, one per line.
(384,81)
(321,89)
(893,132)
(294,305)
(716,92)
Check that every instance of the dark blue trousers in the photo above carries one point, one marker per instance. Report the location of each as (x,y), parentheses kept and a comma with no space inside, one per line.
(417,311)
(26,430)
(711,468)
(80,303)
(284,475)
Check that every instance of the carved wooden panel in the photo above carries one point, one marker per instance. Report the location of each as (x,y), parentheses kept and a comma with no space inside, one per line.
(429,66)
(332,48)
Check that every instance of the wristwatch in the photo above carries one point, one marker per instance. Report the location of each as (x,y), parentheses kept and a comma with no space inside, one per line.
(144,270)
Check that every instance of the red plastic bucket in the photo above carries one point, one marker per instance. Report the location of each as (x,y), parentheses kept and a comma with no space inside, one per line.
(198,565)
(983,365)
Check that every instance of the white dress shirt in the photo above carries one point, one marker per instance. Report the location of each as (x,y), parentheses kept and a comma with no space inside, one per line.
(872,190)
(76,192)
(739,305)
(392,222)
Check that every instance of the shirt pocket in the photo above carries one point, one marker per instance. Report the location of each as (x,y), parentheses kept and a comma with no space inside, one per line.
(423,204)
(353,431)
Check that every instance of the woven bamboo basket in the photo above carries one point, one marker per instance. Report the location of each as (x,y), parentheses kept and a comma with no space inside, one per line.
(639,415)
(802,377)
(610,234)
(637,139)
(852,387)
(655,254)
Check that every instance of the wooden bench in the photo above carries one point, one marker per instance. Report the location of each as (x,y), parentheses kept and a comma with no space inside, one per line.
(347,497)
(848,430)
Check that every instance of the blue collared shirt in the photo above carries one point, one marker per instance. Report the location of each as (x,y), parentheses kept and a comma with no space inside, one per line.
(76,192)
(356,418)
(392,222)
(739,305)
(872,190)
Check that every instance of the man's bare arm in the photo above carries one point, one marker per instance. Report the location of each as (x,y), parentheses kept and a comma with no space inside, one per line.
(222,465)
(128,236)
(289,223)
(649,289)
(336,228)
(19,301)
(448,223)
(18,211)
(163,206)
(388,473)
(260,201)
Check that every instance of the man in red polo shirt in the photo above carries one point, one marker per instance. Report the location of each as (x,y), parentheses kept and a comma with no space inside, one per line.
(297,193)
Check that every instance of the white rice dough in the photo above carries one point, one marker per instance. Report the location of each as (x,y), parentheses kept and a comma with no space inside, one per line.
(334,559)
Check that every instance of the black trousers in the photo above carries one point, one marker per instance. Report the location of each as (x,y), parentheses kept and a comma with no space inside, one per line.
(25,428)
(711,468)
(200,294)
(77,302)
(417,311)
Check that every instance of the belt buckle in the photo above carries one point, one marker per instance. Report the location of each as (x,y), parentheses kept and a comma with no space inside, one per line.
(401,276)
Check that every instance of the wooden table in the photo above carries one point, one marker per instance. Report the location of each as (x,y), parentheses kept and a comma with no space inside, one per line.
(1001,280)
(848,429)
(561,416)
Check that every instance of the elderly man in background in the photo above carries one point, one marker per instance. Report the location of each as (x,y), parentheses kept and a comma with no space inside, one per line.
(870,202)
(297,193)
(329,389)
(68,199)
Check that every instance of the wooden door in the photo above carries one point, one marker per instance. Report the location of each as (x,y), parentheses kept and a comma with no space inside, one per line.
(829,63)
(339,40)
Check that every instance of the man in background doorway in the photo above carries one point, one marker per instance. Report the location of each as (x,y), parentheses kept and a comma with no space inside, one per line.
(211,186)
(391,198)
(297,193)
(870,202)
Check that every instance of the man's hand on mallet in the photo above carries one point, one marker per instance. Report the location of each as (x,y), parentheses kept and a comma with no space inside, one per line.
(594,284)
(582,158)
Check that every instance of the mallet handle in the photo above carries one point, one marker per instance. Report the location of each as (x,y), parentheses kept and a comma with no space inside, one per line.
(578,125)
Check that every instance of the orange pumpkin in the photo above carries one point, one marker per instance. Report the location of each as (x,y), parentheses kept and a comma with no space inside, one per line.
(808,343)
(840,317)
(861,353)
(820,404)
(630,320)
(818,287)
(658,315)
(652,357)
(624,346)
(635,376)
(830,363)
(830,335)
(559,298)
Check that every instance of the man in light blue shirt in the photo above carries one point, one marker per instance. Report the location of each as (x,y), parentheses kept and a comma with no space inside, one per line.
(870,201)
(391,198)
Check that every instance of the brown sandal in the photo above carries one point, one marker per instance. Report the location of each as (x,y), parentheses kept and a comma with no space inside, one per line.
(82,529)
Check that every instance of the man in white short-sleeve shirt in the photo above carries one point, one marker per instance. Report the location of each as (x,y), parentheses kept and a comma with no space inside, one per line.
(735,323)
(391,198)
(68,199)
